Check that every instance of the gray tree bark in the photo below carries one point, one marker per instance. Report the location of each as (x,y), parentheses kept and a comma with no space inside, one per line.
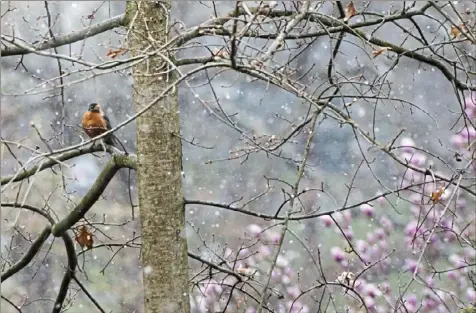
(164,243)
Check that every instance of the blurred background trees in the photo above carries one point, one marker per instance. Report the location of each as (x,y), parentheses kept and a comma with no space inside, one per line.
(328,155)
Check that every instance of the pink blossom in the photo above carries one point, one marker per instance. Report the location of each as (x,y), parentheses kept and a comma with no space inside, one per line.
(408,143)
(429,303)
(412,228)
(430,281)
(282,261)
(453,275)
(347,216)
(381,200)
(273,236)
(468,132)
(348,233)
(371,238)
(327,220)
(456,260)
(372,291)
(412,299)
(380,233)
(417,159)
(293,291)
(412,176)
(264,251)
(411,265)
(461,203)
(367,210)
(337,254)
(370,304)
(449,236)
(470,107)
(385,288)
(411,304)
(254,230)
(457,141)
(361,246)
(470,112)
(471,294)
(470,101)
(243,253)
(415,198)
(387,224)
(360,284)
(469,253)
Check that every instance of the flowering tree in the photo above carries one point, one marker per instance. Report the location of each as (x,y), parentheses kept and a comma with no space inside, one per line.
(328,155)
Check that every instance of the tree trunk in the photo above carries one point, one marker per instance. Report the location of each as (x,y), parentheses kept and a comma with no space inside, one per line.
(164,243)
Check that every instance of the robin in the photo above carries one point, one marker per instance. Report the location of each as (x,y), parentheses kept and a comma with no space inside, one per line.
(95,123)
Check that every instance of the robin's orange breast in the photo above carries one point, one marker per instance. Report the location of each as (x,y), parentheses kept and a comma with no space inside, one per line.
(93,124)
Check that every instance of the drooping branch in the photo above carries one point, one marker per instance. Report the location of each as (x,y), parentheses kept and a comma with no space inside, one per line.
(59,41)
(69,273)
(50,163)
(116,163)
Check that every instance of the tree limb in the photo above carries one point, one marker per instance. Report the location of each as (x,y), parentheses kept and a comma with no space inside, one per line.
(116,163)
(68,275)
(50,163)
(59,41)
(26,259)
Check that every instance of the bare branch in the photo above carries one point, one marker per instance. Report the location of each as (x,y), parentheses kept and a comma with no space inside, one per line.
(59,41)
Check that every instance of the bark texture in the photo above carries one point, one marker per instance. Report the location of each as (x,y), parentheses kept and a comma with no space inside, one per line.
(164,244)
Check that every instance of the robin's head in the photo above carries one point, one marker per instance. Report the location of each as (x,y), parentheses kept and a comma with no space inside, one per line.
(94,107)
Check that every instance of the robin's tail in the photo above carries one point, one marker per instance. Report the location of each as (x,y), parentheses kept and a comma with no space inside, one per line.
(110,140)
(114,141)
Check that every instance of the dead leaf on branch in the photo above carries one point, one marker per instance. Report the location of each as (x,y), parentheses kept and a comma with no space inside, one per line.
(349,11)
(436,195)
(379,51)
(456,32)
(114,53)
(222,53)
(84,237)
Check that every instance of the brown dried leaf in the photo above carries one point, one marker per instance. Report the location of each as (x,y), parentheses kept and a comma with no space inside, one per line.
(349,11)
(114,53)
(436,195)
(455,32)
(84,237)
(378,52)
(222,53)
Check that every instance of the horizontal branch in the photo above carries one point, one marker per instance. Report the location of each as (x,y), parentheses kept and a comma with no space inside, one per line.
(30,208)
(50,163)
(240,209)
(213,265)
(59,41)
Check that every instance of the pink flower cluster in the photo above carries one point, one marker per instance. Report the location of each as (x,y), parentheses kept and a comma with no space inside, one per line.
(253,261)
(423,215)
(390,247)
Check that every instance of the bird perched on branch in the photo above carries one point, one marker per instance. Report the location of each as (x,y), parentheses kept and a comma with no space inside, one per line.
(95,123)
